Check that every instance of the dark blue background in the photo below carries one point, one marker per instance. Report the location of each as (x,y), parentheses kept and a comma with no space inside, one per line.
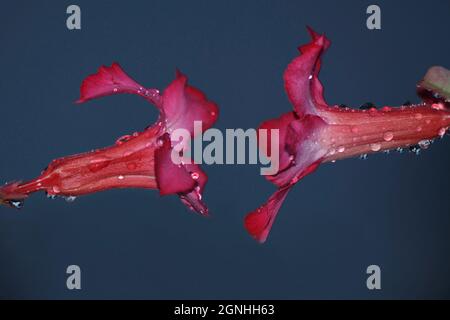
(391,210)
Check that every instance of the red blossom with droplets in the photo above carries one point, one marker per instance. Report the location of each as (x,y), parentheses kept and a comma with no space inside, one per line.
(315,132)
(140,160)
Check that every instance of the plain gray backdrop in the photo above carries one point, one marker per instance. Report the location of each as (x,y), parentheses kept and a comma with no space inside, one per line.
(390,210)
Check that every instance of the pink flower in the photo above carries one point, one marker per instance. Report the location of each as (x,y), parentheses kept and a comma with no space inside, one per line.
(315,132)
(140,160)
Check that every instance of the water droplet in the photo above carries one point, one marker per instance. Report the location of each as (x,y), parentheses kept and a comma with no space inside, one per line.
(424,144)
(388,136)
(70,198)
(363,156)
(438,106)
(195,175)
(123,139)
(98,164)
(442,132)
(115,89)
(131,166)
(56,189)
(18,204)
(415,149)
(367,106)
(332,151)
(373,111)
(386,109)
(341,149)
(160,142)
(418,116)
(310,77)
(375,147)
(399,150)
(51,196)
(120,177)
(332,161)
(418,129)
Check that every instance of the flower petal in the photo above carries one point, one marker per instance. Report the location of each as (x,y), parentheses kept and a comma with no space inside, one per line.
(298,140)
(259,222)
(113,80)
(185,179)
(171,178)
(184,104)
(301,76)
(281,124)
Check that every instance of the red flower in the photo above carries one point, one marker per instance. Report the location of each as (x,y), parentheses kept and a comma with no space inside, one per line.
(141,160)
(315,132)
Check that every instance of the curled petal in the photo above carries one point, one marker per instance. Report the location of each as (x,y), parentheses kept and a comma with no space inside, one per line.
(281,124)
(259,222)
(298,140)
(185,179)
(113,80)
(184,104)
(172,178)
(300,78)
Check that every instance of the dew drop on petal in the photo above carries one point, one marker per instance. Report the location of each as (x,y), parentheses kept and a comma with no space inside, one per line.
(131,166)
(121,177)
(18,204)
(363,156)
(415,149)
(123,139)
(195,175)
(373,111)
(341,149)
(399,150)
(438,106)
(56,189)
(418,116)
(388,136)
(70,199)
(424,144)
(332,151)
(375,147)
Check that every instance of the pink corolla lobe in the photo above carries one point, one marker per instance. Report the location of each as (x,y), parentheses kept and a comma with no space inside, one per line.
(140,160)
(315,132)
